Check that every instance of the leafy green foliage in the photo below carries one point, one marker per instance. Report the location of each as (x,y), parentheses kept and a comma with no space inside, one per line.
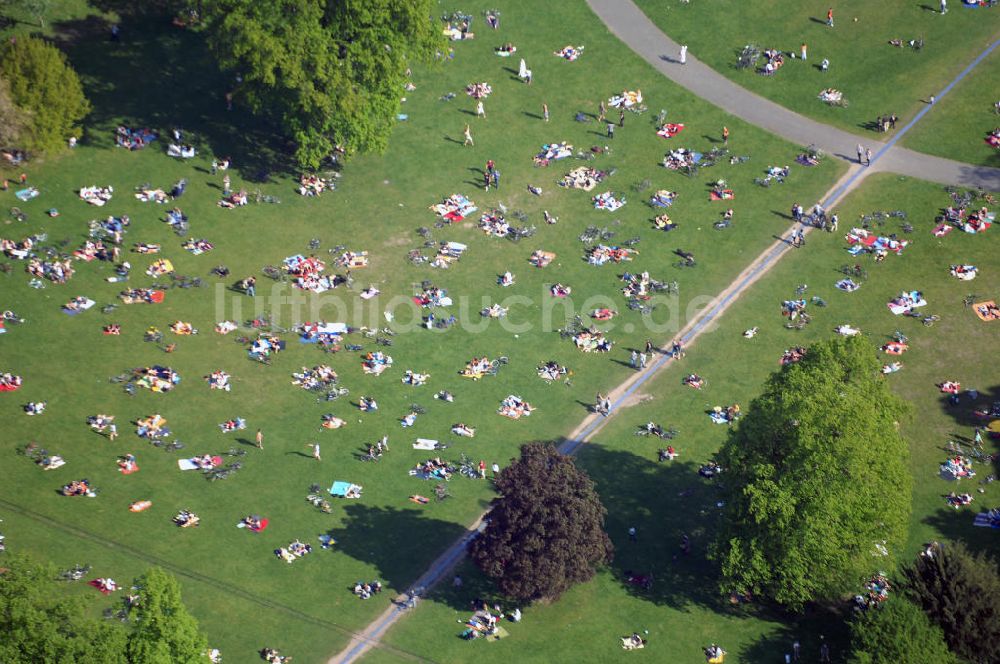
(165,633)
(332,73)
(815,475)
(546,531)
(961,593)
(43,84)
(13,120)
(40,622)
(897,631)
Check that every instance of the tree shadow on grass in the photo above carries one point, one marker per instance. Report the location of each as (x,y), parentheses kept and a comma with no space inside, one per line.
(663,502)
(817,625)
(161,77)
(400,543)
(957,525)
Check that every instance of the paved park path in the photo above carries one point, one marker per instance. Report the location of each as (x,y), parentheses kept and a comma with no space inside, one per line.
(638,32)
(628,23)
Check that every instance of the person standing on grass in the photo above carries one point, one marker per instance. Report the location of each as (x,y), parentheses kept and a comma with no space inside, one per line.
(944,7)
(829,17)
(684,54)
(496,179)
(227,185)
(112,431)
(805,50)
(725,135)
(611,130)
(250,286)
(260,439)
(545,112)
(649,346)
(315,449)
(480,110)
(621,116)
(602,112)
(468,137)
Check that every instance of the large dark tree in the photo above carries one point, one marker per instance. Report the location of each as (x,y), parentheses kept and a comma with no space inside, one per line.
(546,530)
(47,89)
(815,476)
(331,72)
(961,593)
(40,622)
(897,631)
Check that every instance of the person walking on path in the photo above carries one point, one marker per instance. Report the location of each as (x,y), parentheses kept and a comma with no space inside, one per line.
(944,7)
(805,50)
(480,110)
(684,54)
(545,112)
(725,136)
(868,156)
(861,153)
(643,358)
(649,346)
(611,130)
(829,17)
(468,137)
(315,449)
(634,360)
(259,438)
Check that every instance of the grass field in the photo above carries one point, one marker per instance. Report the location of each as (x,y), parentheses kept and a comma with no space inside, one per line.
(306,609)
(875,77)
(958,125)
(665,500)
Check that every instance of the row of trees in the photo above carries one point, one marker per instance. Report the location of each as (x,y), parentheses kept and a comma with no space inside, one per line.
(331,73)
(948,610)
(40,622)
(41,98)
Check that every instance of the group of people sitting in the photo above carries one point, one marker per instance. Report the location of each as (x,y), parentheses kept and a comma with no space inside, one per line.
(187,519)
(293,551)
(365,590)
(476,368)
(316,378)
(515,407)
(552,370)
(591,341)
(877,591)
(78,488)
(602,254)
(376,362)
(774,60)
(219,380)
(97,195)
(433,469)
(56,271)
(725,415)
(415,379)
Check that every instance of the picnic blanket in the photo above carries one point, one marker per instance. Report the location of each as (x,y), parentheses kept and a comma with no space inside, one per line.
(345,490)
(723,195)
(87,303)
(670,130)
(425,444)
(26,195)
(454,208)
(906,302)
(608,201)
(986,311)
(662,198)
(190,464)
(989,519)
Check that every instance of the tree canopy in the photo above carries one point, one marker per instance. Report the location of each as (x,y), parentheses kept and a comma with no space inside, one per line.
(815,476)
(961,593)
(47,89)
(895,631)
(39,622)
(164,633)
(546,530)
(331,72)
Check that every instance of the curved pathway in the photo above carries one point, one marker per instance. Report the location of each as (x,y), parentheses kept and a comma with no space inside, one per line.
(627,22)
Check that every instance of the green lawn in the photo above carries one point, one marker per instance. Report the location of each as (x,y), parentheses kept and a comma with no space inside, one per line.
(666,500)
(161,77)
(874,76)
(957,126)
